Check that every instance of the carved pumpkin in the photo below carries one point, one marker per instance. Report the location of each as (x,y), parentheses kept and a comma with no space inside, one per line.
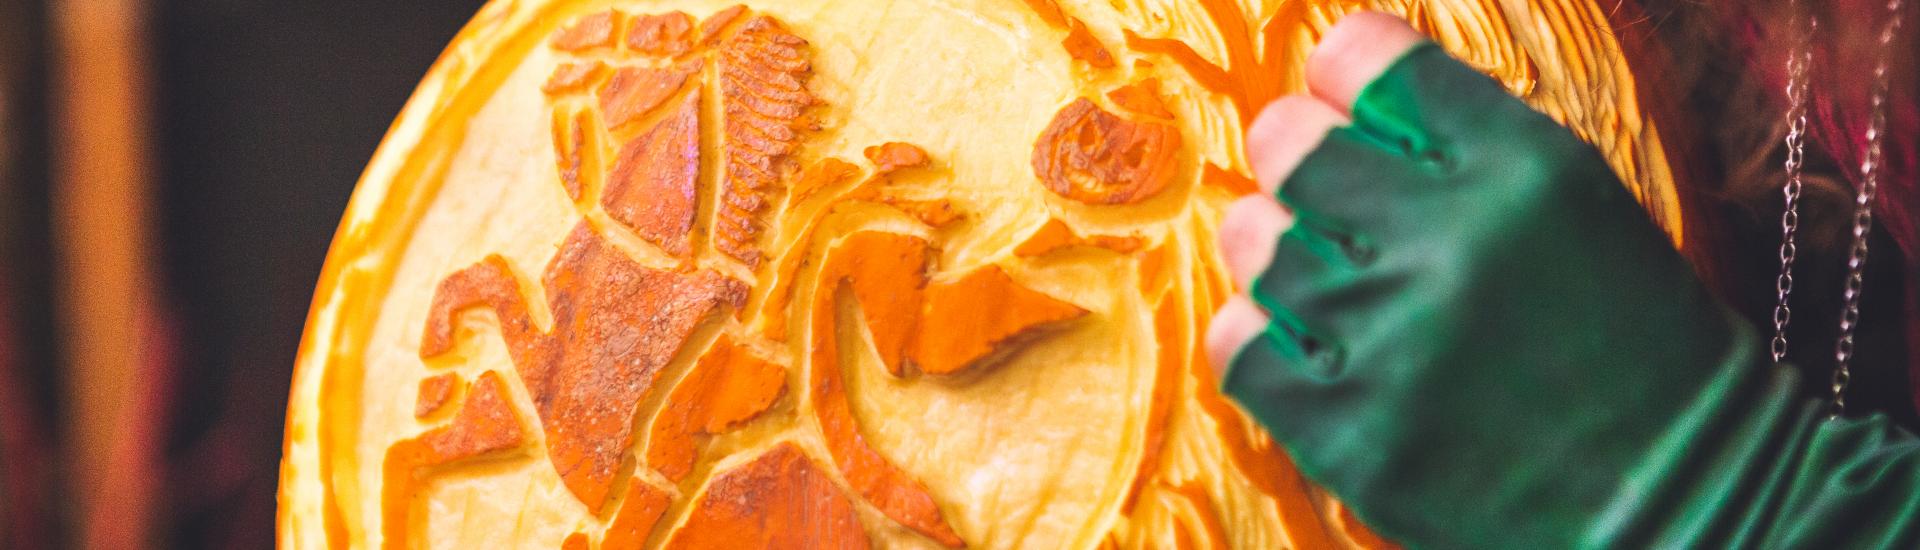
(819,273)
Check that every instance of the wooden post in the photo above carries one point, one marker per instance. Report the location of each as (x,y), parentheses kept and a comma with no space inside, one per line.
(104,290)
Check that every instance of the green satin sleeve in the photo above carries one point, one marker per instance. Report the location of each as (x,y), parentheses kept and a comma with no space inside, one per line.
(1481,341)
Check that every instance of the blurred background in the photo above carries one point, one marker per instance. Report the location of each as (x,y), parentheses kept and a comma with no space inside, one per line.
(171,172)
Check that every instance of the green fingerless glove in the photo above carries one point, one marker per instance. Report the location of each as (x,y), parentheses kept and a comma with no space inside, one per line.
(1480,340)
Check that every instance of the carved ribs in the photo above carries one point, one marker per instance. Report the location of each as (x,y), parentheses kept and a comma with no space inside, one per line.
(762,74)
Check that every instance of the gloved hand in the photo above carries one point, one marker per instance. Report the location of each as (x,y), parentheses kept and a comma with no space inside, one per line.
(1475,337)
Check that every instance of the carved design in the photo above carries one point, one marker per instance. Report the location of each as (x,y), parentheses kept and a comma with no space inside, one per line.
(1081,44)
(615,325)
(891,156)
(828,172)
(593,31)
(937,329)
(1153,271)
(1261,463)
(1249,77)
(571,77)
(485,425)
(651,188)
(719,21)
(690,134)
(935,213)
(779,500)
(638,515)
(572,150)
(1142,98)
(669,34)
(1169,327)
(1049,11)
(1232,182)
(729,385)
(1090,155)
(1056,235)
(635,91)
(763,72)
(435,391)
(1210,527)
(760,71)
(982,319)
(886,272)
(831,172)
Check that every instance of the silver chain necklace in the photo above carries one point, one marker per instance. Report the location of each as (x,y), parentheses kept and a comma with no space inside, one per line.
(1797,78)
(1797,61)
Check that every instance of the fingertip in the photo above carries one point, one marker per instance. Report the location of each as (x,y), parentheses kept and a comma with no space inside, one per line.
(1237,323)
(1357,50)
(1248,234)
(1284,133)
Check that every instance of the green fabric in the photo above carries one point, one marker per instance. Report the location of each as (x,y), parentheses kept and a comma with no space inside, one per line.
(1481,341)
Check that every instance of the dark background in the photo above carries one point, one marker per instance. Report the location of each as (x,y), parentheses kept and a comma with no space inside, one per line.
(265,112)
